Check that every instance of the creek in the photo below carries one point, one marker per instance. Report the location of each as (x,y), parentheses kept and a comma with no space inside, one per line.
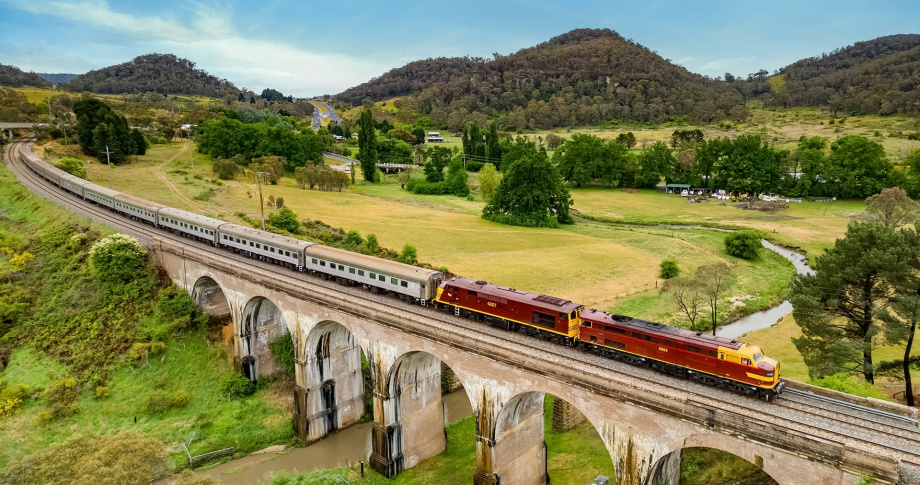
(346,447)
(770,316)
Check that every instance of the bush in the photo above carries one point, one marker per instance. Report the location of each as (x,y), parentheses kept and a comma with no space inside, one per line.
(283,351)
(118,258)
(236,385)
(743,244)
(409,254)
(72,166)
(474,166)
(62,396)
(102,392)
(158,402)
(180,399)
(173,303)
(668,269)
(850,385)
(372,245)
(43,417)
(354,238)
(285,219)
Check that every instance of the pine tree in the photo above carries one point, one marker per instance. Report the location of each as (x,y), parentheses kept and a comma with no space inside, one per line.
(367,145)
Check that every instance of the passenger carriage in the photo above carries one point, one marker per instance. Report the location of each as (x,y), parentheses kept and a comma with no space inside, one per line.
(137,208)
(264,245)
(411,283)
(189,224)
(100,195)
(72,184)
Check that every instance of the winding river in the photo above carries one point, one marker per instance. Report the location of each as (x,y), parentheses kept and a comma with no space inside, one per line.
(770,316)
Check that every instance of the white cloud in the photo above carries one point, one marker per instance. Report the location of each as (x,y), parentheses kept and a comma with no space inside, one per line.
(215,45)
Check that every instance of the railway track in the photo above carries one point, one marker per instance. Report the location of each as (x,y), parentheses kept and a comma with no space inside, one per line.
(824,418)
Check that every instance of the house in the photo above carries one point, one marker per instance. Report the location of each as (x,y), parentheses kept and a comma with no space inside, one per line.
(682,189)
(434,139)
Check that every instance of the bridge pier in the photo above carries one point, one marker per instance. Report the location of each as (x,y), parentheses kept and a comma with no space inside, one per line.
(511,449)
(329,389)
(408,412)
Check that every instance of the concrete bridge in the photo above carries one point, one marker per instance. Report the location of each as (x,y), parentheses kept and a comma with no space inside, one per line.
(644,418)
(7,129)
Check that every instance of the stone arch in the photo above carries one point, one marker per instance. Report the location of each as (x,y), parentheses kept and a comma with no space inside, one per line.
(329,394)
(261,323)
(409,415)
(519,449)
(667,470)
(209,295)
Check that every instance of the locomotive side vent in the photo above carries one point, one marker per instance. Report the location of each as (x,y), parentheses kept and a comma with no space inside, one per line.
(552,300)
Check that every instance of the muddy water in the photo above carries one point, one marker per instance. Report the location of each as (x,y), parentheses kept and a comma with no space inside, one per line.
(346,447)
(770,316)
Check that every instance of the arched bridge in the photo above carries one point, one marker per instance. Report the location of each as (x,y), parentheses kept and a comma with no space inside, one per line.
(644,418)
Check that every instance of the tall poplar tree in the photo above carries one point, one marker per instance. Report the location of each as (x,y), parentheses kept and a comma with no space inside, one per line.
(367,144)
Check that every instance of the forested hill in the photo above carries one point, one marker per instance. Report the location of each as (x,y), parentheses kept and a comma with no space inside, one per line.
(14,77)
(160,73)
(579,78)
(879,76)
(411,78)
(57,78)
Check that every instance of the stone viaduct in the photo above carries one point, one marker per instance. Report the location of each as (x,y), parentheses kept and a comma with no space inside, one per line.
(644,426)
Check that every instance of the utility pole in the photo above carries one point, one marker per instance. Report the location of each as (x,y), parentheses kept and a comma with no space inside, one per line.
(191,154)
(109,159)
(261,204)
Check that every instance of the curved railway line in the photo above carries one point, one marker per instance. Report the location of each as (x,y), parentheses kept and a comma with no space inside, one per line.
(797,413)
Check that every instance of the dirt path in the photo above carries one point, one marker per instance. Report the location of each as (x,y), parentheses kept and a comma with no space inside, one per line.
(160,174)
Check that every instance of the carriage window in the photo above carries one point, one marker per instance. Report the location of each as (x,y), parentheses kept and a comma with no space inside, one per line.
(360,272)
(393,281)
(341,268)
(321,263)
(314,260)
(351,270)
(404,284)
(373,276)
(271,249)
(251,244)
(381,277)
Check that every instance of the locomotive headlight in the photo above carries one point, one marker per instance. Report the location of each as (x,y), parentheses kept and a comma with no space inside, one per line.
(769,374)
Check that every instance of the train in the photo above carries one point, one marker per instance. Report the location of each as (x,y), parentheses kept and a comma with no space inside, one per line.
(708,359)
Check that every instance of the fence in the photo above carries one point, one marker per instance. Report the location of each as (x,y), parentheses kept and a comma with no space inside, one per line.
(204,457)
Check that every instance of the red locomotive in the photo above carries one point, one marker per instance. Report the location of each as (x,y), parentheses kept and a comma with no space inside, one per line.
(711,360)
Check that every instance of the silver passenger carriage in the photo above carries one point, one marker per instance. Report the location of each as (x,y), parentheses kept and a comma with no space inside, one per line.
(189,224)
(264,245)
(137,208)
(100,195)
(72,184)
(411,283)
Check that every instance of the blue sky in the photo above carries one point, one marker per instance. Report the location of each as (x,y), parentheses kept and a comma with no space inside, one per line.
(319,47)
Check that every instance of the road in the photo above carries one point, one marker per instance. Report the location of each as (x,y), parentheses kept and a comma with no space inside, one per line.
(318,116)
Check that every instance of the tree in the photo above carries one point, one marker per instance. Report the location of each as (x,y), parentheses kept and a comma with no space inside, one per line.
(627,139)
(419,135)
(272,165)
(743,244)
(713,280)
(668,269)
(892,207)
(687,293)
(531,193)
(654,163)
(373,247)
(391,150)
(367,144)
(578,158)
(553,141)
(857,167)
(403,135)
(900,326)
(489,179)
(456,180)
(748,165)
(837,307)
(438,158)
(227,168)
(73,166)
(409,254)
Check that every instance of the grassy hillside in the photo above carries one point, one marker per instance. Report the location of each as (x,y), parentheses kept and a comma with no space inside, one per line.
(59,322)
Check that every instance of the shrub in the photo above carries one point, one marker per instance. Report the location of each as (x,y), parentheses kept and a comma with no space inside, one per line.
(43,417)
(668,269)
(102,392)
(743,244)
(285,219)
(850,385)
(118,258)
(474,166)
(73,166)
(236,385)
(180,399)
(409,254)
(62,396)
(354,238)
(372,245)
(158,402)
(283,351)
(173,303)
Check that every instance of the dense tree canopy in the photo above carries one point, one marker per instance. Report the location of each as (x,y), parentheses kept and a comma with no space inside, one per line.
(14,77)
(531,193)
(160,73)
(104,133)
(226,138)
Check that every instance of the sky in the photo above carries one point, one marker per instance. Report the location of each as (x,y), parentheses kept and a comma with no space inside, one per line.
(322,47)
